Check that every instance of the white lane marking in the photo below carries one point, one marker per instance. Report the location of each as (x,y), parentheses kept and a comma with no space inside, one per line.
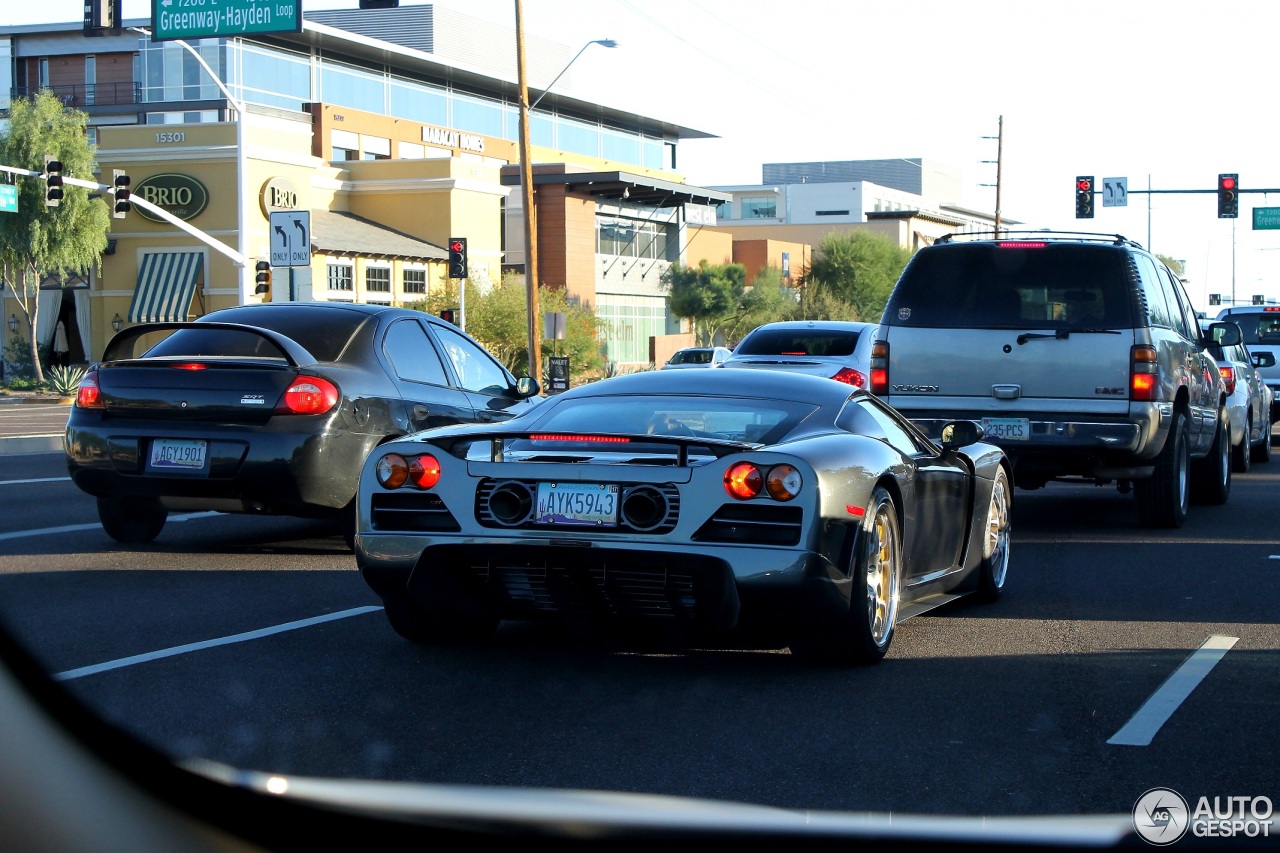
(209,644)
(40,480)
(1157,710)
(76,528)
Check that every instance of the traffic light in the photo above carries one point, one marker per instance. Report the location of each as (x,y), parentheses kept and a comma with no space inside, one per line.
(1228,196)
(446,314)
(120,181)
(457,257)
(53,180)
(262,275)
(1084,197)
(1258,300)
(1215,298)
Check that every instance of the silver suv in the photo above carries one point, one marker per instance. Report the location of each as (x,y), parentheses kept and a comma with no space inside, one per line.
(1079,354)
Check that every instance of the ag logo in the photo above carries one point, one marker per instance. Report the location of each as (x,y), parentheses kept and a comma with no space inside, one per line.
(1161,816)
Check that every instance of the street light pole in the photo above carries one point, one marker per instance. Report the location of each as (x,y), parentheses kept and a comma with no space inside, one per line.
(531,277)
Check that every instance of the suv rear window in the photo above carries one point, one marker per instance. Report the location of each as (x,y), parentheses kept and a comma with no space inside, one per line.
(822,342)
(1256,327)
(1003,286)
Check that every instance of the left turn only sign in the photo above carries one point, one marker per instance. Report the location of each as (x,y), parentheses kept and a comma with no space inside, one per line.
(290,238)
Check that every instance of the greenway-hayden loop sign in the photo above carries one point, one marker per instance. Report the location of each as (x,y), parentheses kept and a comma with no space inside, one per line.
(197,19)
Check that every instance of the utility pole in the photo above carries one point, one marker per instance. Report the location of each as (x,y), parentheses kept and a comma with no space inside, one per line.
(530,222)
(999,137)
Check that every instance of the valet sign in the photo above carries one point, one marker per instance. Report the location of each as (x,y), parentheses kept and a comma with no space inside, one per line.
(181,195)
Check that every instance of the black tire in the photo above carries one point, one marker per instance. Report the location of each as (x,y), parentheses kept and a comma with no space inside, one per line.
(132,521)
(995,545)
(1211,476)
(1242,453)
(1164,497)
(1261,451)
(863,635)
(347,524)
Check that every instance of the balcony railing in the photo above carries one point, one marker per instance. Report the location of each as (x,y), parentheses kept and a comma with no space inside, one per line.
(87,94)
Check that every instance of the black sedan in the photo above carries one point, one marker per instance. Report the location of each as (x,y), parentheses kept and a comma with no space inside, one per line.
(786,502)
(270,409)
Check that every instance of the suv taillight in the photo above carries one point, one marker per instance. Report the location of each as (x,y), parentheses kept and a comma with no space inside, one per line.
(1228,378)
(1144,373)
(880,368)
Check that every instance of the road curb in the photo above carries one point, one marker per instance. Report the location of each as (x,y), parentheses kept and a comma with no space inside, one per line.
(22,445)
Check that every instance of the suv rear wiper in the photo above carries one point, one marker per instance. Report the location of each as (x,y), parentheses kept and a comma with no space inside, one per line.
(1063,334)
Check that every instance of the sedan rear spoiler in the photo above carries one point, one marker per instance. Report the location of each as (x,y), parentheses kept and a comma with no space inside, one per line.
(120,347)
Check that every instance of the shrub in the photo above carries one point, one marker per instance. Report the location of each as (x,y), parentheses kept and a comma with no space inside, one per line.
(65,381)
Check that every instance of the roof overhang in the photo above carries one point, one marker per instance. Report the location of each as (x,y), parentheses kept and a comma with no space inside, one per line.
(624,186)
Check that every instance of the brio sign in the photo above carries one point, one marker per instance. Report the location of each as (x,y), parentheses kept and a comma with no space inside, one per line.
(278,194)
(181,195)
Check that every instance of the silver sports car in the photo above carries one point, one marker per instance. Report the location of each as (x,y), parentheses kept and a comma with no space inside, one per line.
(790,503)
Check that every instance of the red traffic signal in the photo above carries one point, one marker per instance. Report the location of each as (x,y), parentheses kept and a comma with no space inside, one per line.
(1084,197)
(1228,196)
(457,257)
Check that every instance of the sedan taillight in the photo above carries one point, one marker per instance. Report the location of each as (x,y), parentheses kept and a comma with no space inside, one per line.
(89,395)
(308,395)
(849,376)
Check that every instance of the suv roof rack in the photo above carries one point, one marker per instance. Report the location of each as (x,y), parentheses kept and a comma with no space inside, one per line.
(1045,234)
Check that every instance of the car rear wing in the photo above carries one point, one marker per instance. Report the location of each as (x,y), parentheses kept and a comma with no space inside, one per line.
(450,439)
(121,346)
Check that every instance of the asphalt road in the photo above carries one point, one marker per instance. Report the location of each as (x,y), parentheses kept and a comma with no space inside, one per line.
(254,642)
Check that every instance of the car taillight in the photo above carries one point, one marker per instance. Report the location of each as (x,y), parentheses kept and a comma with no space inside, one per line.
(1228,378)
(89,395)
(1144,379)
(308,395)
(394,471)
(880,368)
(849,376)
(745,480)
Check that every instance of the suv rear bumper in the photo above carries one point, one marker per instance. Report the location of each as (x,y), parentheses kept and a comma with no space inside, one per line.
(1064,447)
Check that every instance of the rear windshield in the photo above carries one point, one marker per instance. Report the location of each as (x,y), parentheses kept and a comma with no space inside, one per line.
(988,286)
(324,334)
(820,342)
(691,356)
(1257,327)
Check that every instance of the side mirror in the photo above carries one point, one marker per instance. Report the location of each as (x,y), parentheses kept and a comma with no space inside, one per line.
(1223,334)
(527,386)
(1264,359)
(957,434)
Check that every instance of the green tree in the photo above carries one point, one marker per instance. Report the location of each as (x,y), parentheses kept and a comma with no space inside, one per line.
(496,318)
(851,276)
(708,294)
(767,299)
(40,240)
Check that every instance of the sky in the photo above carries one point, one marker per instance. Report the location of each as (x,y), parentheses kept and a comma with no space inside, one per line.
(1167,94)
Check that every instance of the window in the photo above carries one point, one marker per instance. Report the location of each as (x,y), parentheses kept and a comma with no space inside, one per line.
(412,151)
(476,369)
(760,207)
(90,78)
(345,144)
(415,281)
(340,277)
(375,148)
(411,354)
(377,279)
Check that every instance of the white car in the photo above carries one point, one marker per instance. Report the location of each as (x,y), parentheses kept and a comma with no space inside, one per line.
(832,349)
(1248,400)
(697,357)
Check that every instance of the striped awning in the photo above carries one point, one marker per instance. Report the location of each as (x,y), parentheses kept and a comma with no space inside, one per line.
(166,283)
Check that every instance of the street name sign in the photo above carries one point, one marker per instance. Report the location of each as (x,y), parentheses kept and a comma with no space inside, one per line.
(197,19)
(8,198)
(290,238)
(1266,218)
